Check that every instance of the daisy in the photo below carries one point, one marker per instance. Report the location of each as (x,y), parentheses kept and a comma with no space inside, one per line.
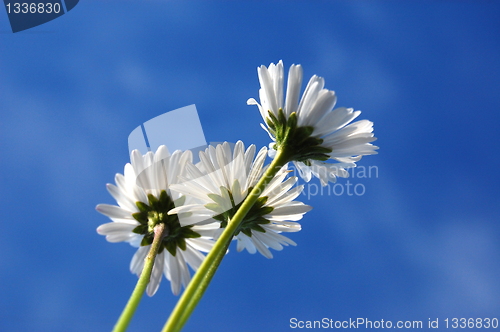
(311,128)
(223,179)
(143,201)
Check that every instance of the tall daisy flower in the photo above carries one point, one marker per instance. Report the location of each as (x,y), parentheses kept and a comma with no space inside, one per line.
(143,202)
(312,130)
(223,179)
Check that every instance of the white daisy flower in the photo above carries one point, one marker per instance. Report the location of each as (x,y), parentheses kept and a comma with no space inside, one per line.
(223,179)
(143,201)
(315,131)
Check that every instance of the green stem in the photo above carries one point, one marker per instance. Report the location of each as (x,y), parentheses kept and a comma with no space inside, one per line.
(201,279)
(129,310)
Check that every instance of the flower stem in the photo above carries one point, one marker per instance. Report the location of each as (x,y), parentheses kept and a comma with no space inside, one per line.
(201,279)
(129,310)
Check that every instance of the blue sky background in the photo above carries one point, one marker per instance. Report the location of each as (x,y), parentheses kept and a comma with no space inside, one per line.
(422,242)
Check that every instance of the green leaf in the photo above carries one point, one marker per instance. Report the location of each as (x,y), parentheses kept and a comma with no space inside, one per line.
(190,234)
(258,228)
(221,218)
(214,207)
(270,123)
(152,200)
(273,117)
(266,210)
(181,243)
(179,201)
(147,240)
(141,217)
(281,116)
(216,198)
(262,221)
(143,207)
(141,229)
(292,121)
(261,201)
(171,247)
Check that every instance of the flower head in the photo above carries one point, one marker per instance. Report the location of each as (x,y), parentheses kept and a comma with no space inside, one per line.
(311,129)
(223,179)
(143,201)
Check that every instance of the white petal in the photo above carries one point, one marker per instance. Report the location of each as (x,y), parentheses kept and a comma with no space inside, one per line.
(238,170)
(245,242)
(279,237)
(188,208)
(200,180)
(252,101)
(293,89)
(278,78)
(291,209)
(324,104)
(201,244)
(268,240)
(314,86)
(362,126)
(267,86)
(113,211)
(136,160)
(289,196)
(193,257)
(137,263)
(123,200)
(120,237)
(279,189)
(223,161)
(335,120)
(249,155)
(261,247)
(353,142)
(256,170)
(304,170)
(185,275)
(264,108)
(267,131)
(240,245)
(191,188)
(135,241)
(173,272)
(126,183)
(283,226)
(116,227)
(156,274)
(276,181)
(196,219)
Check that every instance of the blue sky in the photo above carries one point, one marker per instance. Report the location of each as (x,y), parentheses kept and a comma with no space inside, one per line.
(420,243)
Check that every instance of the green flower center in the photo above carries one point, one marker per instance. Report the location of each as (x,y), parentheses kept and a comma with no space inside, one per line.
(224,204)
(297,141)
(157,212)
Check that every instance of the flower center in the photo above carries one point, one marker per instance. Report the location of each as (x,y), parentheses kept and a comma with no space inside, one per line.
(157,212)
(253,219)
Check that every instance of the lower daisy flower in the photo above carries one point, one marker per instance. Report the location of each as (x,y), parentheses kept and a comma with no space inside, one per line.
(221,182)
(143,202)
